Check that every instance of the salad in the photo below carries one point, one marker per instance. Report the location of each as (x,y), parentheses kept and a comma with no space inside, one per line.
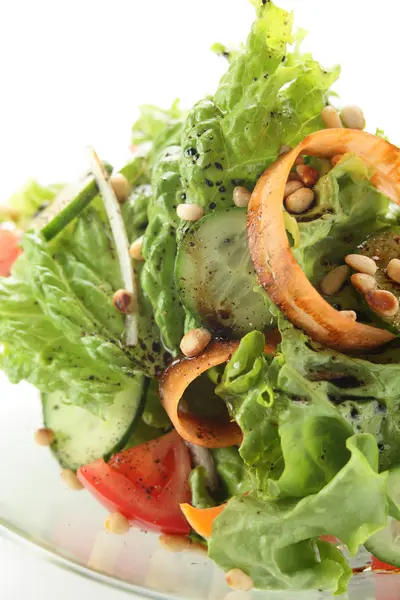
(214,329)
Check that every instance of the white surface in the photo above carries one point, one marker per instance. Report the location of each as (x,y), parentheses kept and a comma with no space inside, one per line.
(51,107)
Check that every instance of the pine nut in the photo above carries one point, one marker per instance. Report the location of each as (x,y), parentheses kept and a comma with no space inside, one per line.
(393,270)
(284,149)
(174,543)
(363,283)
(238,580)
(291,187)
(195,341)
(353,117)
(71,480)
(117,524)
(307,174)
(44,436)
(336,159)
(299,201)
(135,249)
(331,117)
(350,314)
(360,263)
(383,303)
(122,301)
(293,176)
(189,212)
(334,280)
(121,186)
(241,196)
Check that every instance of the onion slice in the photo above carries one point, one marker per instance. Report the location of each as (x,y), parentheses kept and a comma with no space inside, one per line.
(276,268)
(121,242)
(176,378)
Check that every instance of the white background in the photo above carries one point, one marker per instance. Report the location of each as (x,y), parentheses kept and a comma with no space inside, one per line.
(73,73)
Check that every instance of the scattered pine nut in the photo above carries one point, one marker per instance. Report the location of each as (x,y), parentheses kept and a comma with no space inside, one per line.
(71,480)
(300,201)
(336,159)
(284,149)
(121,186)
(195,341)
(174,543)
(44,436)
(293,176)
(241,196)
(333,282)
(353,117)
(117,524)
(363,283)
(291,187)
(393,270)
(299,160)
(180,543)
(361,263)
(307,174)
(331,117)
(189,212)
(349,314)
(238,580)
(135,249)
(383,303)
(122,301)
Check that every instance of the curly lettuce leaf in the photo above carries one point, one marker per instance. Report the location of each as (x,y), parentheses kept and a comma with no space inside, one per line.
(157,128)
(247,393)
(276,541)
(28,201)
(235,477)
(267,98)
(363,390)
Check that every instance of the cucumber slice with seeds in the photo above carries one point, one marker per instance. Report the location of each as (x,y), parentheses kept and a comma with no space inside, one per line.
(82,437)
(216,279)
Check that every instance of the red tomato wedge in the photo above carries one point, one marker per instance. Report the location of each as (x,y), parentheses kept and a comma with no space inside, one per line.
(9,250)
(378,565)
(146,484)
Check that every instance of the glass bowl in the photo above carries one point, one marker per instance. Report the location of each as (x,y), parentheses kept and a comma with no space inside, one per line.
(67,526)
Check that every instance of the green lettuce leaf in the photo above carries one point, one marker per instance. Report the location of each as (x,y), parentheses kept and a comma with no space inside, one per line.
(235,477)
(159,249)
(28,201)
(267,98)
(247,393)
(201,497)
(276,541)
(58,326)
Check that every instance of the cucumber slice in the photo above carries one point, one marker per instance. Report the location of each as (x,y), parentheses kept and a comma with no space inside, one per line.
(385,544)
(81,437)
(382,247)
(71,201)
(216,279)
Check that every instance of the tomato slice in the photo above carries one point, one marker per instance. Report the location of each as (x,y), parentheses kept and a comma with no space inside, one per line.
(146,484)
(9,250)
(378,565)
